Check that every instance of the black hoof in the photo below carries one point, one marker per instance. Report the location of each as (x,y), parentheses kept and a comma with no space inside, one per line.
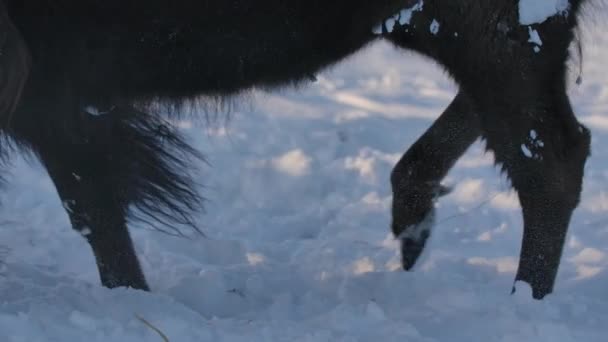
(410,251)
(414,238)
(442,190)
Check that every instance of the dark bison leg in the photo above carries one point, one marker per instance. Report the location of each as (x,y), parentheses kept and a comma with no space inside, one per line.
(416,177)
(544,154)
(82,172)
(105,164)
(95,214)
(90,201)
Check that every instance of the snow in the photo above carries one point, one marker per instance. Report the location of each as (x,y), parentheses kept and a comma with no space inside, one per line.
(530,12)
(298,246)
(534,37)
(434,28)
(417,232)
(403,17)
(526,151)
(294,163)
(537,11)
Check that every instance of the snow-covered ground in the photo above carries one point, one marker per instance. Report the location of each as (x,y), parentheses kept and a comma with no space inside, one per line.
(298,245)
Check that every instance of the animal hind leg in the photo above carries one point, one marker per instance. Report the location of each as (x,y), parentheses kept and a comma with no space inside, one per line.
(416,177)
(107,164)
(90,202)
(82,172)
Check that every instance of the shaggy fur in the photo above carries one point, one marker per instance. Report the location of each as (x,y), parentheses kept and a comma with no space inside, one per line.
(513,95)
(14,66)
(93,61)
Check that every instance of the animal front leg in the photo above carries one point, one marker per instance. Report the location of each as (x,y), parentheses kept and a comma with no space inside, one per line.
(544,159)
(546,222)
(416,177)
(548,198)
